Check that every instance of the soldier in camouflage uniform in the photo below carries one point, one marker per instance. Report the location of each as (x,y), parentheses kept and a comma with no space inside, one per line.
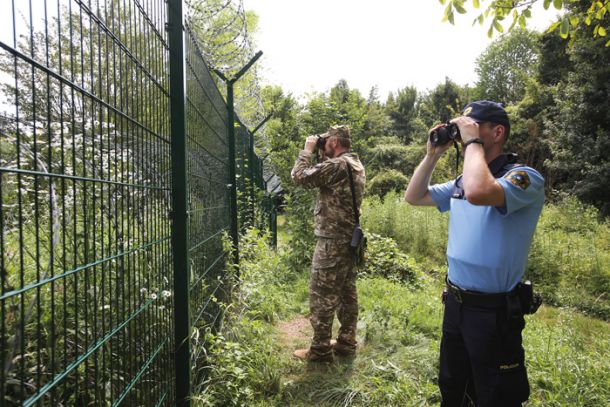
(333,276)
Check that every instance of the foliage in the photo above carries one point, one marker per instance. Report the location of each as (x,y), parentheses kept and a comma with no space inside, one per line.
(260,269)
(385,259)
(579,127)
(591,13)
(341,105)
(444,102)
(241,365)
(419,231)
(402,111)
(397,364)
(386,181)
(505,66)
(570,257)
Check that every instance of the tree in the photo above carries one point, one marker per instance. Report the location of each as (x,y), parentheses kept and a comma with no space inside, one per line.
(402,111)
(376,122)
(505,65)
(579,127)
(592,13)
(443,103)
(341,106)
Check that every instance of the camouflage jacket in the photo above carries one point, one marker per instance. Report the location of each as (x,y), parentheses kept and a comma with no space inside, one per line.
(334,214)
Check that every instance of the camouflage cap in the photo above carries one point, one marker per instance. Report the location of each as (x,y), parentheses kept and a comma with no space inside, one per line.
(341,131)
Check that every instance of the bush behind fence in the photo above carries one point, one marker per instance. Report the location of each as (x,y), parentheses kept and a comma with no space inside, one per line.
(88,209)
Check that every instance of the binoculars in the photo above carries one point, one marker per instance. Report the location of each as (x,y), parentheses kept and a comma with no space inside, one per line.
(442,135)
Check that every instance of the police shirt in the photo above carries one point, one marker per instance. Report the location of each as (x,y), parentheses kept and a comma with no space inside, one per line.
(488,246)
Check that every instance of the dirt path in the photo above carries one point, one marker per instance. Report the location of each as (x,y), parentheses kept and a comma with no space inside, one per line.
(294,334)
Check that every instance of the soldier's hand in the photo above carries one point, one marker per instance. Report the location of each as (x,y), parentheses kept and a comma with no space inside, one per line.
(310,144)
(436,151)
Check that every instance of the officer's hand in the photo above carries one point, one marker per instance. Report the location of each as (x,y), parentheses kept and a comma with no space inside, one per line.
(436,151)
(469,129)
(310,144)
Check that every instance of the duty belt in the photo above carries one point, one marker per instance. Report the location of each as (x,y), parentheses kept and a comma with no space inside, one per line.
(475,298)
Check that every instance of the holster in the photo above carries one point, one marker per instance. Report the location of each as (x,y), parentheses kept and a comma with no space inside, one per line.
(358,245)
(529,300)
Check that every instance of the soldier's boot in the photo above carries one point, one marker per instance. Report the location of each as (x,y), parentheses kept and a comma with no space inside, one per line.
(308,355)
(343,349)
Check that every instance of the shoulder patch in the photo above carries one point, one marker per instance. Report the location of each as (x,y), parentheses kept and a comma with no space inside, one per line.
(519,179)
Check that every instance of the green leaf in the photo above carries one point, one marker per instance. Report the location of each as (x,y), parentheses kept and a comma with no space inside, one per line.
(600,13)
(460,9)
(448,9)
(475,3)
(558,4)
(601,31)
(450,18)
(553,26)
(521,21)
(498,26)
(608,43)
(574,21)
(527,12)
(588,20)
(490,32)
(481,19)
(546,4)
(564,29)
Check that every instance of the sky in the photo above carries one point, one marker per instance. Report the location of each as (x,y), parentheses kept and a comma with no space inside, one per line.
(310,45)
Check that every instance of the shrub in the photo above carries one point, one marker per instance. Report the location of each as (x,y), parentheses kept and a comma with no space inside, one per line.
(261,291)
(570,259)
(420,232)
(242,365)
(387,181)
(384,259)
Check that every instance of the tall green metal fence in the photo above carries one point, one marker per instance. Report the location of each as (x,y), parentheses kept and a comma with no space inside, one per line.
(115,193)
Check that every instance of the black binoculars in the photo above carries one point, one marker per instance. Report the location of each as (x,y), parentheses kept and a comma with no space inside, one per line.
(442,135)
(320,143)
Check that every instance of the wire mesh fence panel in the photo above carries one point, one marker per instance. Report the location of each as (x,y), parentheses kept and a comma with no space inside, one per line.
(87,206)
(86,278)
(208,196)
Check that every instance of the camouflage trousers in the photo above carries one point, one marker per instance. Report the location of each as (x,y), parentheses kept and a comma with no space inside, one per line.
(332,289)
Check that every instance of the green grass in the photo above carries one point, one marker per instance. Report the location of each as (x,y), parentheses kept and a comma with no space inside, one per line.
(569,261)
(399,333)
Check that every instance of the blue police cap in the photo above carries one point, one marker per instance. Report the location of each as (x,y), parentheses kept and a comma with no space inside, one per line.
(487,111)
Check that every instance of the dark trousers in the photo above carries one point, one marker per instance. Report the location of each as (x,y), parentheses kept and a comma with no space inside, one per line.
(481,357)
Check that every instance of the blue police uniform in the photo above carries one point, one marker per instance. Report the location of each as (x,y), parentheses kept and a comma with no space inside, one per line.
(482,357)
(488,246)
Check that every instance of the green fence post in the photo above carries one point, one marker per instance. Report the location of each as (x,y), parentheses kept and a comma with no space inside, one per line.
(251,156)
(232,178)
(231,124)
(179,204)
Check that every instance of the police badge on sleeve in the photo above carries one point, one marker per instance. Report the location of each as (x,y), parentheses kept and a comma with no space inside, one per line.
(519,179)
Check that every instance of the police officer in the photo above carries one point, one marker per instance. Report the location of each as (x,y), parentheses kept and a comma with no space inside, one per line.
(333,276)
(495,205)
